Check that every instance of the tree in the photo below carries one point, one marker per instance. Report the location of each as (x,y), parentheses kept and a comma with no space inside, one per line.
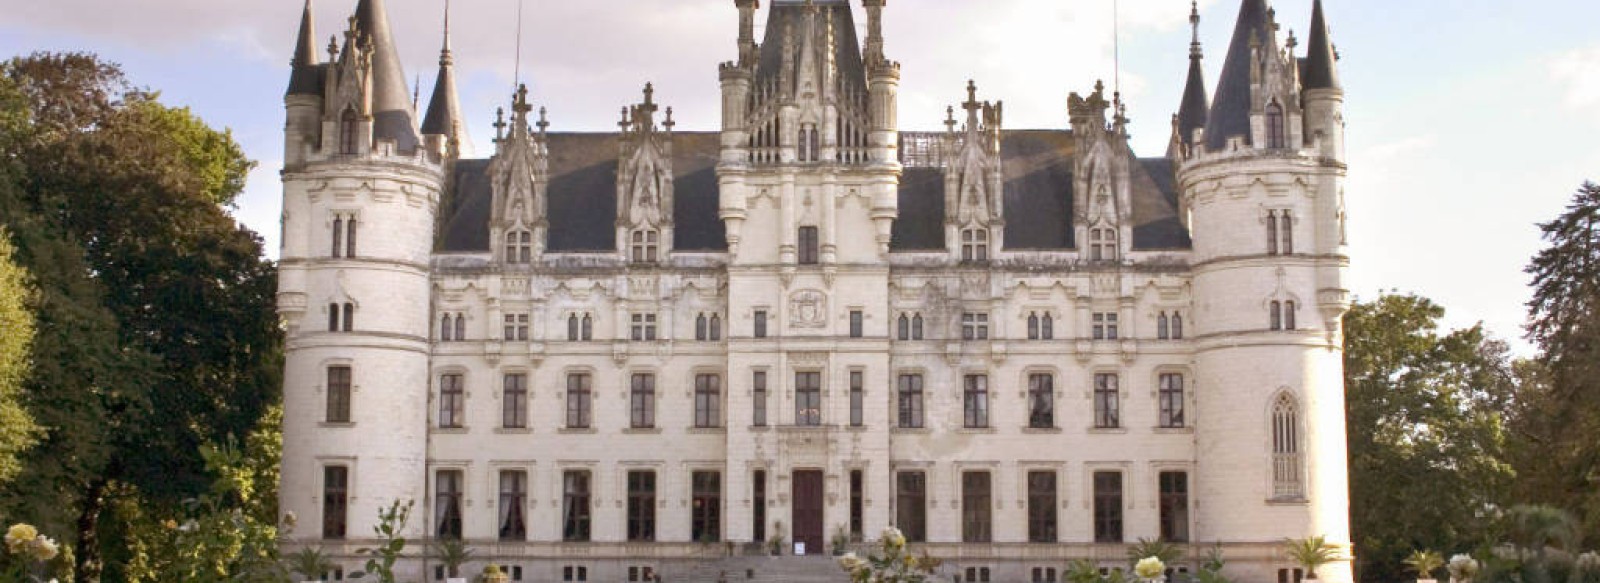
(1560,417)
(18,432)
(1427,437)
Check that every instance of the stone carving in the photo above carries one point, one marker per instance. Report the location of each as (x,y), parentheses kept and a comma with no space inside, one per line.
(808,309)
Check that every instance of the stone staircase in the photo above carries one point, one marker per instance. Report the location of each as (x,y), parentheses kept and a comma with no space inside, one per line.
(788,569)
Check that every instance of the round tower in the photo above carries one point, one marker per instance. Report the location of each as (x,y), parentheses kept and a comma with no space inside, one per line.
(360,196)
(1261,188)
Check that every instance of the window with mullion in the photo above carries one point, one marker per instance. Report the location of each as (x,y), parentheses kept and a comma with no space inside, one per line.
(580,401)
(910,405)
(808,248)
(335,501)
(642,402)
(1107,401)
(1042,507)
(575,511)
(1041,401)
(338,394)
(976,515)
(1108,507)
(513,502)
(808,398)
(911,505)
(975,400)
(447,491)
(706,511)
(707,401)
(641,506)
(1174,506)
(515,401)
(1171,396)
(452,401)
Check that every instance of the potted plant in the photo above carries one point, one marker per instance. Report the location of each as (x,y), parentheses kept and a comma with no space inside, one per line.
(840,541)
(493,574)
(1424,563)
(775,545)
(452,553)
(310,564)
(1311,553)
(1081,571)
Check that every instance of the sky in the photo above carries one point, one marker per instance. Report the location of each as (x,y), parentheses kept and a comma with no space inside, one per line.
(1469,121)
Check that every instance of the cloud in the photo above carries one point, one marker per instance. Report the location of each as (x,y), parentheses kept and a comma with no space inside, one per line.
(1577,73)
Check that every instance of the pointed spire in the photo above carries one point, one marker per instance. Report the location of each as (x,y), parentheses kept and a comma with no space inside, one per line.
(444,108)
(388,76)
(1230,110)
(1322,67)
(1192,110)
(304,78)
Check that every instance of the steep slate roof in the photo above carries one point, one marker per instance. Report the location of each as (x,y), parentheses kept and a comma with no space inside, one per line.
(305,77)
(1230,110)
(393,116)
(847,49)
(583,196)
(1321,71)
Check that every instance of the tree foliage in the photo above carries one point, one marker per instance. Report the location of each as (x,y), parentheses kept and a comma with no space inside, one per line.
(17,429)
(1560,415)
(1427,431)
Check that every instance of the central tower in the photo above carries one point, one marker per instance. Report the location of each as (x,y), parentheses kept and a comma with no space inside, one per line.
(809,178)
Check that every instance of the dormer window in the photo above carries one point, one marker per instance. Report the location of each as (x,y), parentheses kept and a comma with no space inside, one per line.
(646,244)
(1275,133)
(1103,244)
(349,124)
(519,247)
(975,245)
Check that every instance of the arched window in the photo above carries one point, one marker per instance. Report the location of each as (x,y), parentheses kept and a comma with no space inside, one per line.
(1177,326)
(916,327)
(1286,462)
(1272,232)
(1162,332)
(905,327)
(349,317)
(716,328)
(461,327)
(572,328)
(700,332)
(348,125)
(333,317)
(350,237)
(588,328)
(338,236)
(1047,327)
(445,328)
(1275,313)
(1033,326)
(1288,315)
(1275,134)
(816,145)
(1286,227)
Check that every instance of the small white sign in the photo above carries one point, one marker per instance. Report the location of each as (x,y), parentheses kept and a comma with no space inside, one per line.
(799,549)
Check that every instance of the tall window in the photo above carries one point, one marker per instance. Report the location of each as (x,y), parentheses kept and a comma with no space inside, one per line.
(519,247)
(642,401)
(452,401)
(641,506)
(1104,325)
(1275,315)
(338,236)
(706,512)
(1107,398)
(911,505)
(513,501)
(575,511)
(574,328)
(856,324)
(808,249)
(916,327)
(515,401)
(974,326)
(910,401)
(1102,244)
(1177,326)
(1041,327)
(447,504)
(1286,463)
(857,503)
(1174,507)
(1286,230)
(446,328)
(1171,397)
(586,328)
(708,328)
(1033,326)
(975,507)
(1275,134)
(349,316)
(1041,401)
(580,401)
(758,516)
(341,317)
(335,501)
(644,327)
(1272,232)
(808,398)
(758,398)
(975,401)
(858,400)
(1042,507)
(1108,507)
(975,245)
(338,394)
(646,242)
(1288,315)
(350,236)
(760,325)
(707,400)
(516,327)
(349,132)
(1163,330)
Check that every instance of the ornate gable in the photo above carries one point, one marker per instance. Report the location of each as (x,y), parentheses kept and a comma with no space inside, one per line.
(519,175)
(1102,175)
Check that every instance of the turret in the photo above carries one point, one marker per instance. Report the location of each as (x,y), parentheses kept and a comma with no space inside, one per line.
(444,129)
(1262,197)
(303,100)
(883,143)
(1191,116)
(1324,95)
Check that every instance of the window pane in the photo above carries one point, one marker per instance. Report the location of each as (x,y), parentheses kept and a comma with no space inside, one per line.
(1174,506)
(1107,507)
(642,401)
(335,501)
(338,394)
(575,511)
(515,401)
(706,511)
(911,505)
(976,402)
(1041,401)
(975,507)
(758,384)
(1042,507)
(513,504)
(857,399)
(641,506)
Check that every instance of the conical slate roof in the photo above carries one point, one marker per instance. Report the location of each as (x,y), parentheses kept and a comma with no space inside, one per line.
(393,116)
(305,77)
(1230,110)
(1321,70)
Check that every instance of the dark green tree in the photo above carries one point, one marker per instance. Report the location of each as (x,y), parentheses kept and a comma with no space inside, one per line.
(1427,432)
(1561,415)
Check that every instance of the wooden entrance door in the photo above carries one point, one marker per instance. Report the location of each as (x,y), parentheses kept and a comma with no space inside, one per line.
(807,519)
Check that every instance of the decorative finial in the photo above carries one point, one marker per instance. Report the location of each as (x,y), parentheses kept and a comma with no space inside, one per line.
(950,118)
(624,124)
(649,93)
(669,123)
(521,103)
(416,91)
(543,122)
(1292,42)
(499,123)
(1194,23)
(333,48)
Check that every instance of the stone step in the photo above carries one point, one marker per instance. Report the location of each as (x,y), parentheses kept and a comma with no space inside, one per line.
(763,570)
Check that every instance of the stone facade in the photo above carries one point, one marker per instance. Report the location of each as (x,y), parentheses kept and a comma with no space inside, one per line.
(1024,347)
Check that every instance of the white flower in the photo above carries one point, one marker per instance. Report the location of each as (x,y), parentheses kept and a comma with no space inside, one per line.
(893,537)
(851,563)
(1150,568)
(1589,562)
(44,549)
(290,520)
(189,526)
(18,535)
(1462,567)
